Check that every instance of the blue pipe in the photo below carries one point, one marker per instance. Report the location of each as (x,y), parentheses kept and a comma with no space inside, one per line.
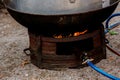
(101,71)
(108,20)
(108,28)
(111,27)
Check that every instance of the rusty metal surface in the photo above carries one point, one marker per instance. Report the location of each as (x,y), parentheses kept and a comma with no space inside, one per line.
(47,53)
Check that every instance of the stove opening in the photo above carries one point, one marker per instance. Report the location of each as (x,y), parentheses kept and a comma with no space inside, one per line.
(69,48)
(69,34)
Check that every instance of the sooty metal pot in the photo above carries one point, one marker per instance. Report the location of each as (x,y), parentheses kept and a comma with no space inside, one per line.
(51,16)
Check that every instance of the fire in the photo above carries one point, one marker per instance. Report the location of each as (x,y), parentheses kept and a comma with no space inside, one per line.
(80,33)
(70,35)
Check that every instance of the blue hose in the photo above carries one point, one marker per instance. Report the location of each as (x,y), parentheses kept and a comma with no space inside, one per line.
(108,28)
(111,27)
(108,20)
(101,71)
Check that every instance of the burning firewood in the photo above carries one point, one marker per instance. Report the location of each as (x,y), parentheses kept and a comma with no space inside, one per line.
(70,35)
(79,33)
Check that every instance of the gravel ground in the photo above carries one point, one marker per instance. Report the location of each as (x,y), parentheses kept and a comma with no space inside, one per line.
(14,38)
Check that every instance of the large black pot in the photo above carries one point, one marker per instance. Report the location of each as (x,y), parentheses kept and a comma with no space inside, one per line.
(50,18)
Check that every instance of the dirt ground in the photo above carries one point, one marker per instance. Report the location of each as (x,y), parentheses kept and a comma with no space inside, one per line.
(14,39)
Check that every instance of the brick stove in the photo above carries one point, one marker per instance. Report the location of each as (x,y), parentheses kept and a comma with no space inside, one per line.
(49,52)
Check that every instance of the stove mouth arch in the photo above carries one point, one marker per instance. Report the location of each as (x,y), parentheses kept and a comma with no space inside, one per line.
(70,39)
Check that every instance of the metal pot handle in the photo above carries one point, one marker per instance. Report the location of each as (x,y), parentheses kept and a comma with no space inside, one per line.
(27,51)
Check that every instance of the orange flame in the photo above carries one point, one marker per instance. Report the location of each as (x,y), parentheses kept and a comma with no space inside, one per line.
(71,35)
(80,33)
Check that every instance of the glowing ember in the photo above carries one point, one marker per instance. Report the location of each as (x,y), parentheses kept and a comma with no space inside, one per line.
(79,33)
(70,35)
